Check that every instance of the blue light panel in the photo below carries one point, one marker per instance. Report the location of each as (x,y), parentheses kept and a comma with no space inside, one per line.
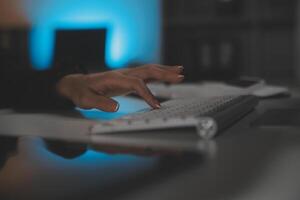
(133,28)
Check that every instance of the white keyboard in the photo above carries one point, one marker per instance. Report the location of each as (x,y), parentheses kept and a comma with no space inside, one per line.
(208,116)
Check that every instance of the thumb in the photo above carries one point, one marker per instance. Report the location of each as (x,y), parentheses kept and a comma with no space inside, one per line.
(103,103)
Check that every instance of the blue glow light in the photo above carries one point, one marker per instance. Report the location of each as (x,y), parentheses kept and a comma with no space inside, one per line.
(127,105)
(91,159)
(133,27)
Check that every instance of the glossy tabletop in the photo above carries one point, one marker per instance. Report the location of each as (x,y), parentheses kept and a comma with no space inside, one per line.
(254,159)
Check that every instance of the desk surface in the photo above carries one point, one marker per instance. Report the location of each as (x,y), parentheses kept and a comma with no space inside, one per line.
(244,162)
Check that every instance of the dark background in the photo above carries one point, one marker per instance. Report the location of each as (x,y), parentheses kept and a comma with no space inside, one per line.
(222,39)
(213,39)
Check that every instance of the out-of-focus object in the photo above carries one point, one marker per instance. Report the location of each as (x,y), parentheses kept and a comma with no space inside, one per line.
(269,91)
(224,39)
(243,86)
(80,48)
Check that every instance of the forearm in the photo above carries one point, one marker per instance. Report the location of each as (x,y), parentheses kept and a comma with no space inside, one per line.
(33,89)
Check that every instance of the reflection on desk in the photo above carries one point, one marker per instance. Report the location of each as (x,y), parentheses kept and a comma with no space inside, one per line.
(38,169)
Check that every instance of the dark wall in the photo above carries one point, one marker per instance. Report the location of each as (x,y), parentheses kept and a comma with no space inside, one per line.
(216,39)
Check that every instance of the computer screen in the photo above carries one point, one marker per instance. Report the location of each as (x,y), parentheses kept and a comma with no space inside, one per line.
(83,48)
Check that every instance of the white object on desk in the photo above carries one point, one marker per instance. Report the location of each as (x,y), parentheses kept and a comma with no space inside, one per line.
(213,89)
(269,91)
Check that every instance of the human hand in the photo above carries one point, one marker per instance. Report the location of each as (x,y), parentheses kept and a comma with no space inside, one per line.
(95,90)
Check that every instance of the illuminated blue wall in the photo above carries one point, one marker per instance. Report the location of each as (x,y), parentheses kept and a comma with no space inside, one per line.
(133,27)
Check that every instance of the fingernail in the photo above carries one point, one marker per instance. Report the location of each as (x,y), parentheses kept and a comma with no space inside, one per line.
(180,76)
(180,67)
(157,106)
(117,107)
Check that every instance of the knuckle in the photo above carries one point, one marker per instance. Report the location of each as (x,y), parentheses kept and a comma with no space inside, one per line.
(138,85)
(150,67)
(137,81)
(159,73)
(154,67)
(154,72)
(112,77)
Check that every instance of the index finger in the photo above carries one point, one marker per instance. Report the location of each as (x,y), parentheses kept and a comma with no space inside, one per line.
(143,91)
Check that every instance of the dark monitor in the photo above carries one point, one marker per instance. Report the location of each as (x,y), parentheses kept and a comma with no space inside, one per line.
(80,48)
